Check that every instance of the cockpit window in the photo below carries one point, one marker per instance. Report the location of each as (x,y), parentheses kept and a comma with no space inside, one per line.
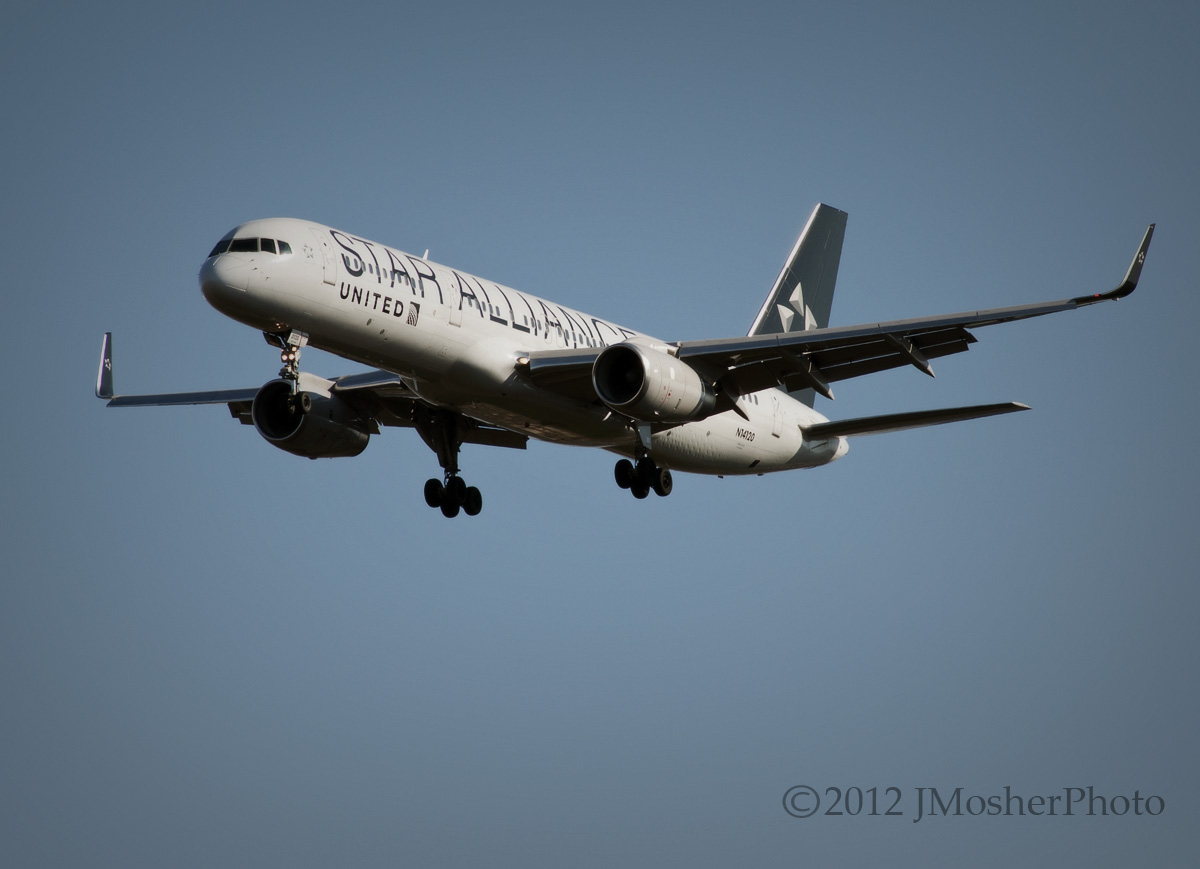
(250,245)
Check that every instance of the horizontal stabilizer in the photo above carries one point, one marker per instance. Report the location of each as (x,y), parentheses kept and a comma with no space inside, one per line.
(900,421)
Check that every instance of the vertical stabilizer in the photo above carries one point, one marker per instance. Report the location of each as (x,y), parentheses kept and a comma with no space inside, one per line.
(803,293)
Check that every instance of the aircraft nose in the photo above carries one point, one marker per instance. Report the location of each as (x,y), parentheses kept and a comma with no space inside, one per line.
(222,274)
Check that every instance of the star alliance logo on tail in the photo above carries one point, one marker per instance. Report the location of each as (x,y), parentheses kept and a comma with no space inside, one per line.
(787,313)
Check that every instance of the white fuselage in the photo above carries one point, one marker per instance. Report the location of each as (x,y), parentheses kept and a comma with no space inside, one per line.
(456,340)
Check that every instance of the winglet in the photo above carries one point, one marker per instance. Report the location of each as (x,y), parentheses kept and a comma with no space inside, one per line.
(1131,277)
(104,377)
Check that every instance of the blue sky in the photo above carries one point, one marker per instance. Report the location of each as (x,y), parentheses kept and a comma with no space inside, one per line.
(214,652)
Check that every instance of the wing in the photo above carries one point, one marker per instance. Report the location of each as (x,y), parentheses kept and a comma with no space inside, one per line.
(566,372)
(380,398)
(816,358)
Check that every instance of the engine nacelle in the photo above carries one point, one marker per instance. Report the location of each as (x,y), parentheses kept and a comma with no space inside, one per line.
(307,424)
(651,386)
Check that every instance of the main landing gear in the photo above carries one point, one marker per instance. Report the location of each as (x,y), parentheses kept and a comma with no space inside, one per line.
(440,430)
(642,477)
(452,496)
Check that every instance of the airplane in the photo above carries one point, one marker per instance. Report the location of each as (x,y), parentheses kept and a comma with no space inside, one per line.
(465,360)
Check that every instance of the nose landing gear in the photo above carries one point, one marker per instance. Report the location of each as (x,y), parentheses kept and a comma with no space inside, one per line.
(289,346)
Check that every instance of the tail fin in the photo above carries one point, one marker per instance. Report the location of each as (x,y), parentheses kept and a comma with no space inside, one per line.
(803,293)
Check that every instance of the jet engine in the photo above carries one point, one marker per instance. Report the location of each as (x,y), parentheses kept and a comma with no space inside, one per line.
(307,424)
(650,386)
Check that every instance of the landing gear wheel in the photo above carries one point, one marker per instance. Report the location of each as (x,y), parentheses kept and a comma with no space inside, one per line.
(302,402)
(433,493)
(645,471)
(642,477)
(472,501)
(450,505)
(457,489)
(453,496)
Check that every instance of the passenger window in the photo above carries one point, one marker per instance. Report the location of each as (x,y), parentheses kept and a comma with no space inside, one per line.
(284,247)
(268,245)
(243,245)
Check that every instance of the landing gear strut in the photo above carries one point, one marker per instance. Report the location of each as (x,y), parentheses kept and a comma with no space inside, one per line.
(642,477)
(289,353)
(439,429)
